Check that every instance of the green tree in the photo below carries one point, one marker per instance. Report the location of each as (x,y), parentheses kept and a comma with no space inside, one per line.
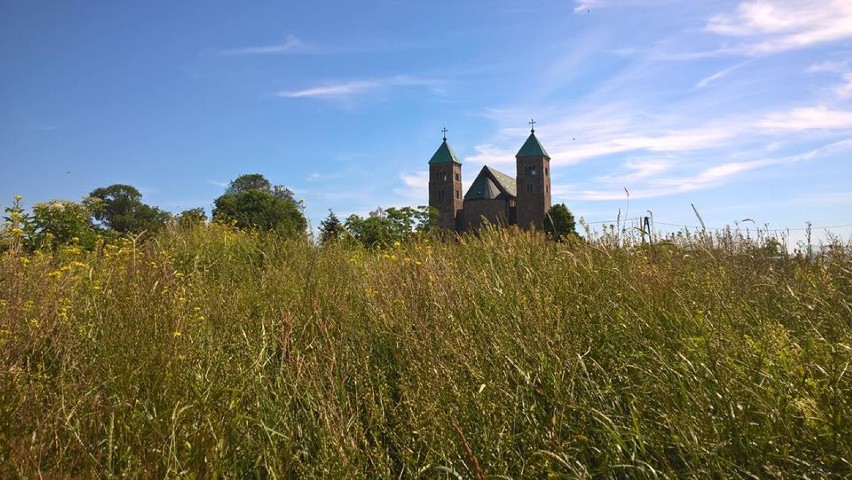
(384,227)
(120,208)
(331,229)
(256,181)
(245,183)
(62,222)
(192,217)
(559,223)
(251,202)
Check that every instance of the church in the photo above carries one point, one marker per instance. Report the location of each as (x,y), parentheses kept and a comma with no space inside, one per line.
(493,197)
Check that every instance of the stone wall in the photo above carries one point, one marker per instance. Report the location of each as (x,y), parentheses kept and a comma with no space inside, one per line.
(477,212)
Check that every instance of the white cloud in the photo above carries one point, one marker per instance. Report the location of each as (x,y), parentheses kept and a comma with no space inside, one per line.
(774,26)
(638,170)
(321,176)
(585,5)
(718,75)
(843,68)
(830,67)
(808,118)
(347,89)
(570,150)
(415,189)
(335,90)
(709,177)
(292,45)
(490,155)
(844,90)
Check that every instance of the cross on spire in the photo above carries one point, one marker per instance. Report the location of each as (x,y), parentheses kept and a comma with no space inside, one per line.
(532,125)
(445,133)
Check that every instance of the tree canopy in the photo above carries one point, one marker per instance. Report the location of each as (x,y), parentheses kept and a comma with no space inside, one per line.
(384,227)
(120,208)
(559,223)
(331,229)
(62,222)
(252,202)
(192,217)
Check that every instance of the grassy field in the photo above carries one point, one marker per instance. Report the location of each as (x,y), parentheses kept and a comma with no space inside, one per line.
(211,352)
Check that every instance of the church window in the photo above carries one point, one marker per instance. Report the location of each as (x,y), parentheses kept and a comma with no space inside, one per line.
(457,177)
(530,170)
(529,188)
(440,194)
(443,176)
(458,194)
(546,172)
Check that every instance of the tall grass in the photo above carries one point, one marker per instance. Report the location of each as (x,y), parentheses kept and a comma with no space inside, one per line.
(210,352)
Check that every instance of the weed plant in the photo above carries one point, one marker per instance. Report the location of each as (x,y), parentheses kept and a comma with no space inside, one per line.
(211,352)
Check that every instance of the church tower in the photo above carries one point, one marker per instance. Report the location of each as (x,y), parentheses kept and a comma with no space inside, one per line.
(533,182)
(445,187)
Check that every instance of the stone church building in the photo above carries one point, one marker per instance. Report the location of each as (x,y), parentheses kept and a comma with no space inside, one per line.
(493,197)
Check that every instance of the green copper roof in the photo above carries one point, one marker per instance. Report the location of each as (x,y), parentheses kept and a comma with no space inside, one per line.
(491,184)
(532,148)
(444,154)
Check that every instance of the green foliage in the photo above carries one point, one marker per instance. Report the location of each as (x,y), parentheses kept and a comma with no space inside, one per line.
(252,202)
(383,228)
(17,226)
(214,352)
(256,181)
(559,223)
(62,222)
(192,217)
(248,182)
(331,229)
(120,208)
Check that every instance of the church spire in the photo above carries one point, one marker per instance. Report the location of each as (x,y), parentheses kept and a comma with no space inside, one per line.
(445,185)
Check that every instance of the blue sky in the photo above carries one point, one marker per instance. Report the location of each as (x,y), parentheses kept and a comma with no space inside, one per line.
(743,108)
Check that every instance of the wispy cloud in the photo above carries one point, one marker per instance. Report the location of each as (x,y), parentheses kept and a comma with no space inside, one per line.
(356,87)
(843,69)
(611,188)
(771,26)
(830,67)
(570,150)
(313,177)
(415,187)
(291,46)
(638,170)
(844,90)
(718,75)
(585,5)
(808,118)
